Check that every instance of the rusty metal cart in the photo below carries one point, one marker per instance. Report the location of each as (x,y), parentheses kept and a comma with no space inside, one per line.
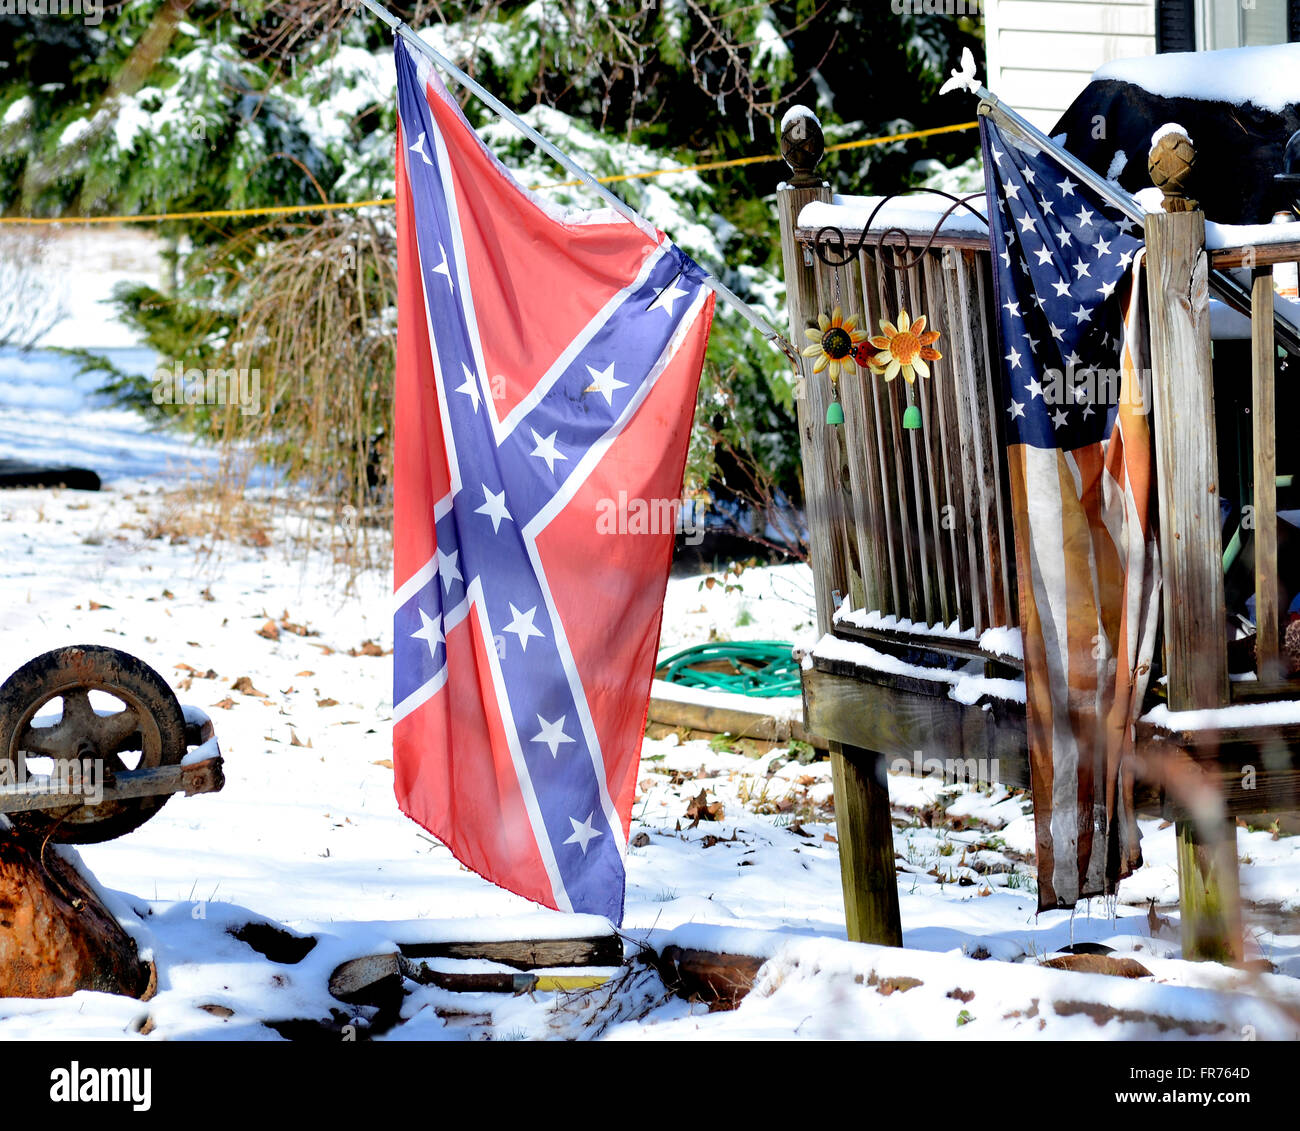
(78,771)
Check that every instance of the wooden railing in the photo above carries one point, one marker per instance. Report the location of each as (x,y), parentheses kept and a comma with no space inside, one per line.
(1272,680)
(929,517)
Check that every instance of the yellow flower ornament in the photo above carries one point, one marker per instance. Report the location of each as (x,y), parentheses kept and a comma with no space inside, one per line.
(834,341)
(905,348)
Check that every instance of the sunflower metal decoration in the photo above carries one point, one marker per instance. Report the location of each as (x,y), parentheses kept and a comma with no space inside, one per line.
(834,340)
(905,348)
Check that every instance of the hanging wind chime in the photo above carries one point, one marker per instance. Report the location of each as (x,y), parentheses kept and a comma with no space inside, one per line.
(907,348)
(836,341)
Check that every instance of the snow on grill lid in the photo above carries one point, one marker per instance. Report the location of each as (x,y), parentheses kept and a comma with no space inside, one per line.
(1264,76)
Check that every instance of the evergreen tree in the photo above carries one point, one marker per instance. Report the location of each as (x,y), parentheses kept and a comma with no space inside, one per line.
(181,105)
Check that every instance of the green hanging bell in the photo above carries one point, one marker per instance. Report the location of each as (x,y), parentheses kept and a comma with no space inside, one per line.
(834,413)
(912,417)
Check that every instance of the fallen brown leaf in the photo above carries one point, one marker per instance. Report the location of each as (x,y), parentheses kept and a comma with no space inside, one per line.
(699,810)
(245,685)
(269,630)
(1099,964)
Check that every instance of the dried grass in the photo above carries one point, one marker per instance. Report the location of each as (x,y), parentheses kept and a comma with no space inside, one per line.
(315,316)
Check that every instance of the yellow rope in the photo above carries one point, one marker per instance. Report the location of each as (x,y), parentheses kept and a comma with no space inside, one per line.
(287,209)
(277,210)
(706,165)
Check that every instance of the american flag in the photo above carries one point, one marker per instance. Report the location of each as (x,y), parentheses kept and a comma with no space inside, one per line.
(1076,399)
(547,370)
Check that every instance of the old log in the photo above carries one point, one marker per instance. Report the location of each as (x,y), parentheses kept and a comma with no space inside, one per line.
(56,935)
(721,980)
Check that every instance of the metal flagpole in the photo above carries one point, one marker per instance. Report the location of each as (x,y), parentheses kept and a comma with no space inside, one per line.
(1222,285)
(400,27)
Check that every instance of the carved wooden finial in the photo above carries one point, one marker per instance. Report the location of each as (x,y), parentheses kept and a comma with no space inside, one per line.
(1172,162)
(802,144)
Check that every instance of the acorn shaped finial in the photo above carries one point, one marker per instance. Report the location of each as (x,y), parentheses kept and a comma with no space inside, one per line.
(802,145)
(1171,163)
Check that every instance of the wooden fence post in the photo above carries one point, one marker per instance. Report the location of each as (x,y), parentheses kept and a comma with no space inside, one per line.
(1191,545)
(866,835)
(1187,466)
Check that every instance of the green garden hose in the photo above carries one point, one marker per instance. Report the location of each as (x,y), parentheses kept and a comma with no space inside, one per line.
(757,668)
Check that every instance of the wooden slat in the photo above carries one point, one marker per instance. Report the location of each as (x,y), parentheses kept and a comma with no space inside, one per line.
(922,490)
(840,504)
(1257,255)
(1263,418)
(961,449)
(1186,461)
(887,290)
(899,721)
(937,648)
(711,719)
(1000,539)
(980,408)
(867,494)
(830,570)
(928,438)
(527,954)
(883,450)
(939,394)
(1255,690)
(962,367)
(952,517)
(978,415)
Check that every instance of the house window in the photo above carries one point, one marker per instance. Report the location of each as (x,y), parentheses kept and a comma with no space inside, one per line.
(1207,25)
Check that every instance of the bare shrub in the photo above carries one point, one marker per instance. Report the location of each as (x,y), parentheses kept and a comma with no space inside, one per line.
(28,311)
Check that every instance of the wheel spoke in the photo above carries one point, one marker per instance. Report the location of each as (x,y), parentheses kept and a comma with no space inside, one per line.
(113,733)
(41,741)
(78,715)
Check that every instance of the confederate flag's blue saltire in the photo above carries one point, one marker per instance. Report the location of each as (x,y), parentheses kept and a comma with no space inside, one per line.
(1068,286)
(547,368)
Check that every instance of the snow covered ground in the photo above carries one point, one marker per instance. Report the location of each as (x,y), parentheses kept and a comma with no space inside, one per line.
(306,834)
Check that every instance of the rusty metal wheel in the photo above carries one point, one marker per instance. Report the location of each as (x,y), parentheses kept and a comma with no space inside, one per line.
(47,717)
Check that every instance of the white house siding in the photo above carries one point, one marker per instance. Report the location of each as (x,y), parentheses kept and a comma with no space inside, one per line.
(1042,52)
